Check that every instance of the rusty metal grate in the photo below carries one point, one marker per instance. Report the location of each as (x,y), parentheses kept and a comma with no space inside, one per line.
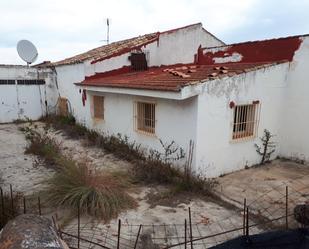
(145,117)
(245,121)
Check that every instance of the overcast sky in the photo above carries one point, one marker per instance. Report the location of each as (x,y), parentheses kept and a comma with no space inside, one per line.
(63,28)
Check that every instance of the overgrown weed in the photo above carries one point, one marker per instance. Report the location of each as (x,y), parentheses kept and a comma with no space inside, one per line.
(148,166)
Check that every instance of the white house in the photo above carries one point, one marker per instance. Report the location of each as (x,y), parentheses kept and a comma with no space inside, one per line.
(186,85)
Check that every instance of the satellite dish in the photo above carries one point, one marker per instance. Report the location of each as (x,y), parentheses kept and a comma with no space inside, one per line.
(27,51)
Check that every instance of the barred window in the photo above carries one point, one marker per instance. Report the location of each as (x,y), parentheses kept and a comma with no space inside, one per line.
(145,117)
(7,82)
(31,82)
(245,121)
(98,107)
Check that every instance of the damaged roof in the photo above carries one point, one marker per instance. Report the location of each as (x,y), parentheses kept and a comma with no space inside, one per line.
(210,63)
(270,50)
(170,78)
(119,47)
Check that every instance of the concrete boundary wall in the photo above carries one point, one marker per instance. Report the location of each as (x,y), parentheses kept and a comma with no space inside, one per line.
(26,93)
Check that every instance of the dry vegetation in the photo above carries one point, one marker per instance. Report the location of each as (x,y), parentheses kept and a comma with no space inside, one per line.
(148,166)
(95,193)
(77,185)
(103,194)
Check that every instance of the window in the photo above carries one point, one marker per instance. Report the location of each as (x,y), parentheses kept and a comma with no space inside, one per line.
(7,82)
(31,82)
(98,107)
(245,121)
(145,117)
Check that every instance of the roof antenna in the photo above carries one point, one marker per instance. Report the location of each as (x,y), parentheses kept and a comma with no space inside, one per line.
(107,36)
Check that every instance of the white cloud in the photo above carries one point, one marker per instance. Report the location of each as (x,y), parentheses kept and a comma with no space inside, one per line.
(61,28)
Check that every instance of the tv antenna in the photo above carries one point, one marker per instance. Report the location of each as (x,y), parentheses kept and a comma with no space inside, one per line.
(27,51)
(107,35)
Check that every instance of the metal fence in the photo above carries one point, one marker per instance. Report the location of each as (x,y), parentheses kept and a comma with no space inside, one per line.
(275,213)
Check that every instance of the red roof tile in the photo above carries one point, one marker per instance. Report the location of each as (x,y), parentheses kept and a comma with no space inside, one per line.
(109,50)
(171,78)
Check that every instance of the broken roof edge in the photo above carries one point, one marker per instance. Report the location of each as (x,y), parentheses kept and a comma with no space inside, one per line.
(256,41)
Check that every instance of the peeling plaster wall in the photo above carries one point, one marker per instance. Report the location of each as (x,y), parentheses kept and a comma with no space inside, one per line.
(295,141)
(26,101)
(216,152)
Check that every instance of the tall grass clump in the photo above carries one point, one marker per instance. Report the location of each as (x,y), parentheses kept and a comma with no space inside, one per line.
(95,193)
(75,184)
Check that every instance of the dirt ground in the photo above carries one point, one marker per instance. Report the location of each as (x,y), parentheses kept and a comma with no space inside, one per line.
(163,220)
(17,168)
(264,187)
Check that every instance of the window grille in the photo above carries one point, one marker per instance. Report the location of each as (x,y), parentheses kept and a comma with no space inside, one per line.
(246,118)
(22,82)
(30,82)
(98,107)
(145,117)
(7,82)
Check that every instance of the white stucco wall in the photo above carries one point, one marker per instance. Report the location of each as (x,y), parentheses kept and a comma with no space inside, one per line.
(26,101)
(178,46)
(66,77)
(174,47)
(175,119)
(216,152)
(295,109)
